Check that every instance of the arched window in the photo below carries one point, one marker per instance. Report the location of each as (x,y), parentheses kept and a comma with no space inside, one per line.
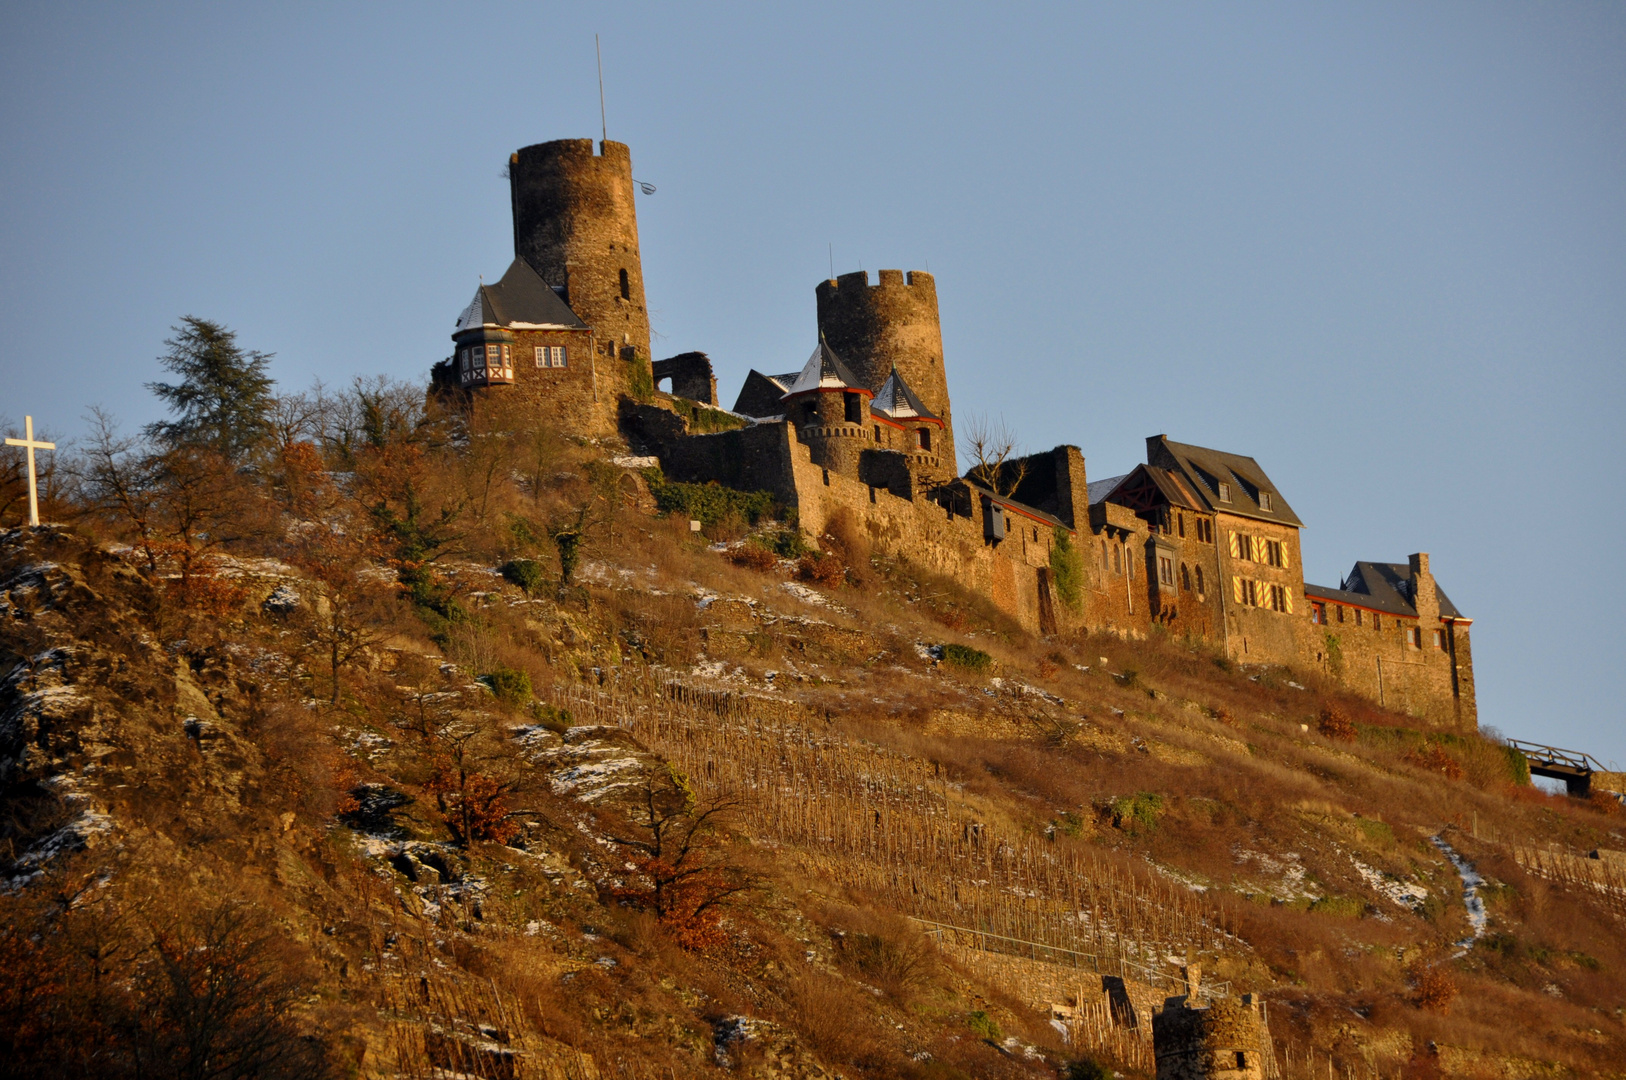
(1200,589)
(626,287)
(1185,578)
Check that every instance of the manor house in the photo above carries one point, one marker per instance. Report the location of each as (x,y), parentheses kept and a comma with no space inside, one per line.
(1196,541)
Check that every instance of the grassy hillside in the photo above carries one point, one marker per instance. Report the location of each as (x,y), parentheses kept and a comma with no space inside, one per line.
(411,750)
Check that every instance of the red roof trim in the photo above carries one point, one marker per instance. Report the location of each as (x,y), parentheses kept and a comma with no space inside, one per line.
(1312,598)
(830,390)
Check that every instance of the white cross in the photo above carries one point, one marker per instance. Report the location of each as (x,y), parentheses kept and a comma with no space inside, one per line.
(33,488)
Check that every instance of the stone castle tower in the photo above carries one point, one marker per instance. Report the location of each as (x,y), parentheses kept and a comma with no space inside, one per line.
(893,323)
(575,224)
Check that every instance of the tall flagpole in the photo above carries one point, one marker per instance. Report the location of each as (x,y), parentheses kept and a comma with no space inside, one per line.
(604,126)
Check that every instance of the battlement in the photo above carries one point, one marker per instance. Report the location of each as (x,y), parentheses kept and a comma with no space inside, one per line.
(887,279)
(577,149)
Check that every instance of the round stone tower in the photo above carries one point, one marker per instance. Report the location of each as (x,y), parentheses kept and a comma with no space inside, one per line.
(575,223)
(875,328)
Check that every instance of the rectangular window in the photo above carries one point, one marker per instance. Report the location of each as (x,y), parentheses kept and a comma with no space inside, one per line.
(923,436)
(1340,613)
(1318,614)
(1165,570)
(1439,639)
(1414,637)
(1117,560)
(877,432)
(1376,622)
(542,359)
(1358,616)
(1180,525)
(1225,492)
(1264,500)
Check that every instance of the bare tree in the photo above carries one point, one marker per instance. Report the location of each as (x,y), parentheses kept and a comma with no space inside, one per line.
(675,848)
(995,454)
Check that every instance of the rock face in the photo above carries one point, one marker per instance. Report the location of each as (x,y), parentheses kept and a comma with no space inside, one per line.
(95,715)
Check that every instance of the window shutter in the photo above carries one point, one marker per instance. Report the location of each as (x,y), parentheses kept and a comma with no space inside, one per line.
(1260,549)
(1236,550)
(1236,582)
(1285,559)
(1287,594)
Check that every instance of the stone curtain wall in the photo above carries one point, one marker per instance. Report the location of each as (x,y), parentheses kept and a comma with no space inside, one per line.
(1376,661)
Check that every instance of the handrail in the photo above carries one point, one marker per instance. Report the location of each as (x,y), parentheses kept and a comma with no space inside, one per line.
(1032,949)
(1551,755)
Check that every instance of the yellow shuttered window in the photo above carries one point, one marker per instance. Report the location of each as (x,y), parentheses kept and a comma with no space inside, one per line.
(1285,561)
(1289,596)
(1236,546)
(1260,549)
(1236,586)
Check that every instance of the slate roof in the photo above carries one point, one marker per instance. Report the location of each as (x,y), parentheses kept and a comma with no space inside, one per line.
(1100,489)
(895,401)
(520,301)
(1206,469)
(823,371)
(1381,587)
(1011,504)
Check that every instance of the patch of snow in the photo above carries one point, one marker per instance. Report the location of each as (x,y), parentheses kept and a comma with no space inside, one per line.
(1406,894)
(593,780)
(1478,917)
(633,461)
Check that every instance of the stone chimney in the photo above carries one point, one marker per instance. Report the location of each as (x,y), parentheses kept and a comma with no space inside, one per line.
(1424,596)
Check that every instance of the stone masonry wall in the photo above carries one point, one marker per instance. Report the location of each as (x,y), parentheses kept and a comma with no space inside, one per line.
(1375,658)
(576,223)
(893,323)
(572,398)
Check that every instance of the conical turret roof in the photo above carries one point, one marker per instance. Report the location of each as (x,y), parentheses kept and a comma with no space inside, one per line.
(895,401)
(824,371)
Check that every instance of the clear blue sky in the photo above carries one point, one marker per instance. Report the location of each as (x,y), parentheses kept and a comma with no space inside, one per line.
(1381,248)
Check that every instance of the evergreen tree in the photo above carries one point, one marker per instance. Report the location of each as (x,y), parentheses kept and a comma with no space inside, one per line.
(223,401)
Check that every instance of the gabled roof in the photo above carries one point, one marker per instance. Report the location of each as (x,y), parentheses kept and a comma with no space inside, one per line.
(1205,470)
(1381,587)
(520,301)
(823,371)
(895,401)
(1148,486)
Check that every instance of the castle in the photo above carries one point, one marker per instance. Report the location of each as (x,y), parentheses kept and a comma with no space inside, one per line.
(1195,542)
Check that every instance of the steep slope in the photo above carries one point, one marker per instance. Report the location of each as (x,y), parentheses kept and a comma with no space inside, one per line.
(692,818)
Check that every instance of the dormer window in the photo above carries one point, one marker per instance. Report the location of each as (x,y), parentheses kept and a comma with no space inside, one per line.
(1224,492)
(1264,501)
